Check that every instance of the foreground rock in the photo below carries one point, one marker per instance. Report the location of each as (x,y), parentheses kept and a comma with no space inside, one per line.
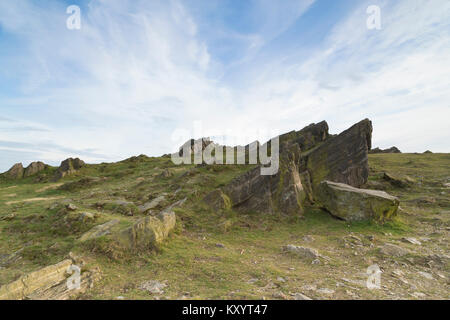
(352,204)
(68,167)
(147,233)
(49,283)
(99,231)
(303,252)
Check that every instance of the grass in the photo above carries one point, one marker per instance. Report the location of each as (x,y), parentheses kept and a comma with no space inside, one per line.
(252,260)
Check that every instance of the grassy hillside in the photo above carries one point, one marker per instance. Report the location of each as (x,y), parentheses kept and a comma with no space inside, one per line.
(224,254)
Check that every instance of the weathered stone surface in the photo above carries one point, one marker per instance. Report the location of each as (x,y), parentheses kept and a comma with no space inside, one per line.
(303,252)
(282,193)
(217,200)
(396,181)
(147,233)
(194,146)
(307,157)
(390,150)
(99,231)
(152,204)
(38,280)
(123,207)
(352,204)
(16,172)
(68,167)
(393,250)
(342,158)
(34,168)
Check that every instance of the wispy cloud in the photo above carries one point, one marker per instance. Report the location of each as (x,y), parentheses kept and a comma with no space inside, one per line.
(138,70)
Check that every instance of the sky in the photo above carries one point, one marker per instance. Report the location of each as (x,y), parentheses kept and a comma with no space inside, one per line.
(143,76)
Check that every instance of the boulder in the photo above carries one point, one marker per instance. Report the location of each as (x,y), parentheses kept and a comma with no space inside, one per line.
(353,204)
(34,168)
(303,252)
(396,181)
(126,208)
(194,146)
(16,172)
(68,167)
(147,233)
(393,250)
(390,150)
(152,204)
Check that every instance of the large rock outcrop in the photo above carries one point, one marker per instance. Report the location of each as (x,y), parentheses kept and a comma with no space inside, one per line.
(353,204)
(282,192)
(34,168)
(307,157)
(342,158)
(68,167)
(16,172)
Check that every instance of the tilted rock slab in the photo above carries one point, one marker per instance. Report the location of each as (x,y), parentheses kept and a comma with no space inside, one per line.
(49,283)
(146,233)
(353,204)
(307,157)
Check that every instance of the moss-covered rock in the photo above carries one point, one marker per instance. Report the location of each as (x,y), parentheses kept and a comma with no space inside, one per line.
(353,204)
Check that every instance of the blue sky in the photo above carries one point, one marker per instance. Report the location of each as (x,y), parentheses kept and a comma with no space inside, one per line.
(139,75)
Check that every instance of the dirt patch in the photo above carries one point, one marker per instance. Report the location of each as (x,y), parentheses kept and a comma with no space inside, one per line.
(33,200)
(51,187)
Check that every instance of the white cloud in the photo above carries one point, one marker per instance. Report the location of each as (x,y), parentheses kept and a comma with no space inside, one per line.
(137,70)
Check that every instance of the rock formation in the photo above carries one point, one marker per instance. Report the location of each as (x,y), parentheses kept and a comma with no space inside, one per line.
(307,157)
(68,167)
(34,168)
(16,172)
(390,150)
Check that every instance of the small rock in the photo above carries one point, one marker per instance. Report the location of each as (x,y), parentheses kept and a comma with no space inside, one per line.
(120,298)
(71,207)
(301,296)
(153,286)
(393,250)
(315,261)
(418,295)
(281,279)
(325,291)
(426,275)
(412,241)
(8,217)
(308,238)
(220,245)
(303,251)
(280,295)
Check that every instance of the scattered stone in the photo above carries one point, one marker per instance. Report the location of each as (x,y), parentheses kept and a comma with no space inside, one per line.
(393,250)
(152,204)
(220,245)
(325,291)
(99,231)
(281,279)
(395,181)
(302,251)
(352,204)
(308,238)
(280,295)
(126,208)
(412,241)
(120,298)
(426,275)
(301,296)
(71,207)
(418,295)
(8,217)
(153,287)
(315,262)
